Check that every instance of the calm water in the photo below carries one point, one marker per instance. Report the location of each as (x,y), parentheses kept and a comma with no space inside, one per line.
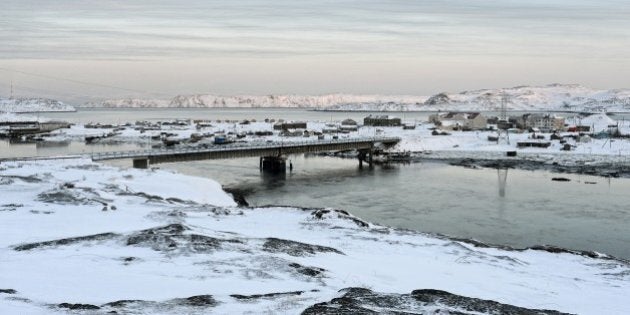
(588,213)
(118,116)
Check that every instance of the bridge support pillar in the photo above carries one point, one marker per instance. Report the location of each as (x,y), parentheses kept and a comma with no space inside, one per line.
(361,157)
(274,164)
(141,163)
(366,155)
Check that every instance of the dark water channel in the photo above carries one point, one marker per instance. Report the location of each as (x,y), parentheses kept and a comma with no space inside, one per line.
(585,213)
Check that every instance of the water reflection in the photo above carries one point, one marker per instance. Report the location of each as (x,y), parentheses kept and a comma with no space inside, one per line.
(502,176)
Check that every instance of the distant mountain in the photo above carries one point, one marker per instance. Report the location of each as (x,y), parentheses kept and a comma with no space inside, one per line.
(32,105)
(550,97)
(569,97)
(267,101)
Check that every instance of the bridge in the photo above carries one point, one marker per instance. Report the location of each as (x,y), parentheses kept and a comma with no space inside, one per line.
(271,153)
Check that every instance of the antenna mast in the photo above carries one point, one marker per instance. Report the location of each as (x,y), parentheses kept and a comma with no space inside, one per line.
(503,124)
(11,97)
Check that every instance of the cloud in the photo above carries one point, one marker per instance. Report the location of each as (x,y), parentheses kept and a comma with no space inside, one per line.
(185,29)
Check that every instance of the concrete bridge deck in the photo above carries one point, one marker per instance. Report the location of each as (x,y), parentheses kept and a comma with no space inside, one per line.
(142,158)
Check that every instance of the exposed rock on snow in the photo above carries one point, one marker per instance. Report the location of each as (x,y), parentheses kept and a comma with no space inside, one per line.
(364,301)
(293,248)
(65,241)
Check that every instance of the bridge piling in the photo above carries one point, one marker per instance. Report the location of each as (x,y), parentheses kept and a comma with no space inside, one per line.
(274,164)
(141,163)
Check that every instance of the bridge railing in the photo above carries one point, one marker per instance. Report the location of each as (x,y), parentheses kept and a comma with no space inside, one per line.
(235,147)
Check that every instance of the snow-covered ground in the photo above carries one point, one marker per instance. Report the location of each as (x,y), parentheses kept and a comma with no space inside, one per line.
(104,239)
(32,105)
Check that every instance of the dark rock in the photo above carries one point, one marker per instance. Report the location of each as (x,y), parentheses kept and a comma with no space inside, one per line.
(238,195)
(158,235)
(177,200)
(78,306)
(68,185)
(199,300)
(172,237)
(308,271)
(560,179)
(66,241)
(364,301)
(201,243)
(559,250)
(28,179)
(468,305)
(10,206)
(63,197)
(319,214)
(125,303)
(267,295)
(293,248)
(8,291)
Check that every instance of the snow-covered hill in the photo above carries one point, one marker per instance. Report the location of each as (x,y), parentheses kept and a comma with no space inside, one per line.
(32,105)
(247,101)
(561,97)
(550,97)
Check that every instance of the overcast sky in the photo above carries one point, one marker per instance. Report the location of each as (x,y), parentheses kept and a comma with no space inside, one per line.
(154,48)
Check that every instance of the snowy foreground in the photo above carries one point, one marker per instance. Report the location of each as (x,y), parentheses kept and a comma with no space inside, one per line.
(85,238)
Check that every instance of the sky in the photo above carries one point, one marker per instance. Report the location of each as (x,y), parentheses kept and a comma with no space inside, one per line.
(95,49)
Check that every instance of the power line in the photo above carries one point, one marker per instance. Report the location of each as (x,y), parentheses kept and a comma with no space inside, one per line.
(50,77)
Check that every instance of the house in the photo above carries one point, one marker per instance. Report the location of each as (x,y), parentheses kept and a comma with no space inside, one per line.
(544,122)
(459,121)
(382,121)
(348,125)
(533,144)
(348,128)
(289,125)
